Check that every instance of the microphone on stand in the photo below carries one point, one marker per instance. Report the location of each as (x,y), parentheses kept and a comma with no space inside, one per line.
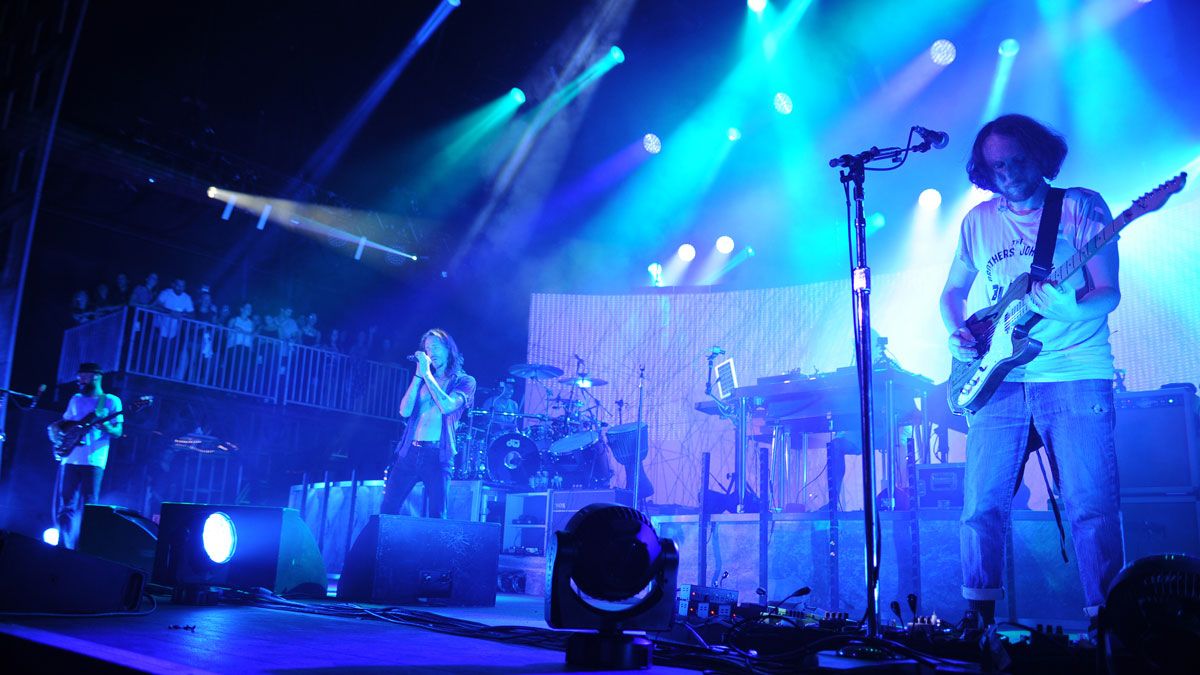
(37,397)
(716,351)
(936,139)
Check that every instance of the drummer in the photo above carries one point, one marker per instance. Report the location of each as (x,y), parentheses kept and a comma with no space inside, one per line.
(502,402)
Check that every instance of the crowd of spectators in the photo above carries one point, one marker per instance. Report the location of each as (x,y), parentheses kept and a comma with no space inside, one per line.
(245,324)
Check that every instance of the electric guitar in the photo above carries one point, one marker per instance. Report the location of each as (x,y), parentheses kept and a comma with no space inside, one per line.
(1001,331)
(66,435)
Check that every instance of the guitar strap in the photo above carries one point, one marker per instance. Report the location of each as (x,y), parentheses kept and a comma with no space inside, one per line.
(1043,252)
(1039,269)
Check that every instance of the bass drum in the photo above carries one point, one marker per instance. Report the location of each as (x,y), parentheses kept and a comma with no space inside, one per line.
(512,458)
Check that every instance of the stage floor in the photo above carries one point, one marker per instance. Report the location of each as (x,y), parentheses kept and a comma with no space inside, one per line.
(253,639)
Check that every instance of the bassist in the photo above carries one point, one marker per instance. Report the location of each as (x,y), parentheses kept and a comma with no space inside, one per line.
(1065,393)
(81,471)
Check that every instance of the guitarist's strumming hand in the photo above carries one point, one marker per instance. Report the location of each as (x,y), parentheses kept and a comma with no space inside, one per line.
(962,345)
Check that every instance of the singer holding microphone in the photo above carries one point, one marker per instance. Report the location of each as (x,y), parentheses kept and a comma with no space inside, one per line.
(436,397)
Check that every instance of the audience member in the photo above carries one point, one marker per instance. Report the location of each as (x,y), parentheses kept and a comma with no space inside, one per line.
(206,310)
(309,335)
(144,294)
(81,310)
(122,292)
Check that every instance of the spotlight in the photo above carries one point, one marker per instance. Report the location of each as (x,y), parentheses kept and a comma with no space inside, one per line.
(1009,48)
(517,95)
(724,244)
(652,143)
(616,54)
(783,104)
(1150,620)
(219,537)
(733,133)
(202,546)
(756,6)
(50,536)
(686,252)
(876,221)
(930,199)
(943,52)
(212,192)
(610,554)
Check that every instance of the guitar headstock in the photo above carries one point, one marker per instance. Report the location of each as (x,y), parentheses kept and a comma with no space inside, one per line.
(1154,199)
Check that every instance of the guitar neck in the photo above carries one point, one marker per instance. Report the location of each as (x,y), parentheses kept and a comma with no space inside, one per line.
(1090,249)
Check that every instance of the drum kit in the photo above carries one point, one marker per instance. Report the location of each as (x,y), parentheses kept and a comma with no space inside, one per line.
(562,446)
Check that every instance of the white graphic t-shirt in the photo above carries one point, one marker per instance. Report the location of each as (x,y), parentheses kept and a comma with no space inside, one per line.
(998,244)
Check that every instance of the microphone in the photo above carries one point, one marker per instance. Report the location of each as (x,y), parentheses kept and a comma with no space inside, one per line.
(717,351)
(937,139)
(38,397)
(578,359)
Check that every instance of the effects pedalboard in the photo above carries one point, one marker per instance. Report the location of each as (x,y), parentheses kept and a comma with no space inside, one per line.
(705,602)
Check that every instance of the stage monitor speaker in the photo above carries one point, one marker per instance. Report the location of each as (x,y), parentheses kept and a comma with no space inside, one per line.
(1156,441)
(405,560)
(271,547)
(37,577)
(119,534)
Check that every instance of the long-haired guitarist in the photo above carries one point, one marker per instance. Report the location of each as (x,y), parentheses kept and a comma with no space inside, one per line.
(82,468)
(1065,392)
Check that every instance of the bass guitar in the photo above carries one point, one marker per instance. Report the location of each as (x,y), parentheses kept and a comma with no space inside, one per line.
(66,435)
(1001,331)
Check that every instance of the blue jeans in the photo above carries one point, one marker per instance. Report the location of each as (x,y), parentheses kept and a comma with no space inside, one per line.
(1075,421)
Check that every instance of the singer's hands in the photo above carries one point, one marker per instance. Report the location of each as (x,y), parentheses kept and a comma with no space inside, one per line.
(422,364)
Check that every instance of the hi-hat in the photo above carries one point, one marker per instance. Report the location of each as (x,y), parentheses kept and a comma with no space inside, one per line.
(584,382)
(535,371)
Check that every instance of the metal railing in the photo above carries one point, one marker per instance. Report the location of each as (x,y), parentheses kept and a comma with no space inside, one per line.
(150,343)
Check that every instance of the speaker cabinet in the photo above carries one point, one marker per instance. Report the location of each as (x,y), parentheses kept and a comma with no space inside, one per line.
(36,577)
(1155,525)
(119,534)
(406,560)
(1156,441)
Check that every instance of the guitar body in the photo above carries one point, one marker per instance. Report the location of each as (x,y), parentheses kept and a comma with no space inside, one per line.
(66,435)
(1002,340)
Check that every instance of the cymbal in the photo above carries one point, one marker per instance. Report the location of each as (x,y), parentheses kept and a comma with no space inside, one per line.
(583,382)
(534,371)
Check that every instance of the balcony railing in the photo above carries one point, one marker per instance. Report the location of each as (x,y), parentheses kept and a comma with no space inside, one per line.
(150,343)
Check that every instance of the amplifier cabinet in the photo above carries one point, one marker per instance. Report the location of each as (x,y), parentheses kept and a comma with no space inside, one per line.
(1156,442)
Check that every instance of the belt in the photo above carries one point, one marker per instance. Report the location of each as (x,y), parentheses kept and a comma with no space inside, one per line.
(426,444)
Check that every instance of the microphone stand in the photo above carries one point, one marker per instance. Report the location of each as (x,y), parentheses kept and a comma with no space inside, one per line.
(853,173)
(637,454)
